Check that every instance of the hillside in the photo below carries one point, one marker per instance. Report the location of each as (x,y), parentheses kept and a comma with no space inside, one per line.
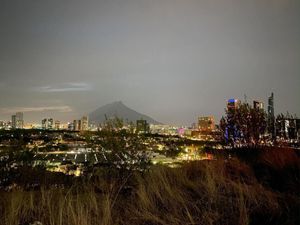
(118,109)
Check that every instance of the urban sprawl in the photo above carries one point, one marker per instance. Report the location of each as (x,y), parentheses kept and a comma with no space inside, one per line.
(71,147)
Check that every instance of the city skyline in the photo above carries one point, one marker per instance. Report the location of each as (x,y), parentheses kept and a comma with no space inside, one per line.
(252,103)
(171,60)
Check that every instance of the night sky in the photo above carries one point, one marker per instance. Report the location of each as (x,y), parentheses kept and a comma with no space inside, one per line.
(173,60)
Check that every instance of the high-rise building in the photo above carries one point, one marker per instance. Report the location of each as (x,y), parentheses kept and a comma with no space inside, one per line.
(81,125)
(71,126)
(286,127)
(271,105)
(77,125)
(84,123)
(44,124)
(298,128)
(17,121)
(57,125)
(206,123)
(233,104)
(231,132)
(2,125)
(13,122)
(258,104)
(271,116)
(47,124)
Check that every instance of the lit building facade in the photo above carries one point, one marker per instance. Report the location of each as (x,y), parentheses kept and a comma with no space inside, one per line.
(77,125)
(164,129)
(84,123)
(258,104)
(80,125)
(298,128)
(17,121)
(47,124)
(13,122)
(287,127)
(271,116)
(57,125)
(70,126)
(206,123)
(231,132)
(233,104)
(2,125)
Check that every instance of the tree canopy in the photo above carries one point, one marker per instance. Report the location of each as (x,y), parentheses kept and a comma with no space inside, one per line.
(244,125)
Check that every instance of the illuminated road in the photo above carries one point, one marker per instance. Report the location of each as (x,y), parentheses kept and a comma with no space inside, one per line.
(75,156)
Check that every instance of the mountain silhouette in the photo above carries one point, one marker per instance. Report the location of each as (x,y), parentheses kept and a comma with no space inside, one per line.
(118,109)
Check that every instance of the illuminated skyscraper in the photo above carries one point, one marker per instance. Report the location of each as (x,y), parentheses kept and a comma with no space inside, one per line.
(84,123)
(77,125)
(17,121)
(271,105)
(44,124)
(47,124)
(231,132)
(206,123)
(233,104)
(71,126)
(2,124)
(57,125)
(271,117)
(13,122)
(298,128)
(81,125)
(258,104)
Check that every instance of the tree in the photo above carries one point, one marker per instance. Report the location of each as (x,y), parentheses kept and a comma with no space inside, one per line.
(244,124)
(124,148)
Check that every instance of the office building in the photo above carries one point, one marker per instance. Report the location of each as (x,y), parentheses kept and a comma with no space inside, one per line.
(70,126)
(231,131)
(206,124)
(13,122)
(81,125)
(77,125)
(57,125)
(233,104)
(47,124)
(271,116)
(298,128)
(2,125)
(287,127)
(84,123)
(258,104)
(17,121)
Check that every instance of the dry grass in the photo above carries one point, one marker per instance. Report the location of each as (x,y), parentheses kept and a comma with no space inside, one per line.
(278,158)
(199,193)
(215,192)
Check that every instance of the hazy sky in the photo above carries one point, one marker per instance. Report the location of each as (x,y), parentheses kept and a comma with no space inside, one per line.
(170,59)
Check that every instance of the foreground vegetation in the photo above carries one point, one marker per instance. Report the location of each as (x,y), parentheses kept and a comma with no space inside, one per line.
(260,191)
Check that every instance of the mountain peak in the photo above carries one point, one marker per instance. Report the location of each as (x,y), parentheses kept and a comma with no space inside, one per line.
(117,102)
(120,110)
